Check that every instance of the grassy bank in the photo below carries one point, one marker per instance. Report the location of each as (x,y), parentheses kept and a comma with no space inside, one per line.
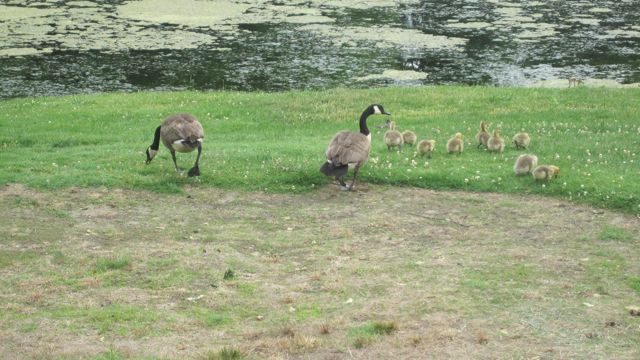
(275,142)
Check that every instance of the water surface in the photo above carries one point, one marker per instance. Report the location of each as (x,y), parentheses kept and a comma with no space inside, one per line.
(65,47)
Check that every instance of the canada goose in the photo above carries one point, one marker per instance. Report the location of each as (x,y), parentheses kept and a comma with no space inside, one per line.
(409,137)
(393,138)
(456,144)
(525,163)
(483,136)
(521,140)
(426,147)
(574,81)
(182,133)
(545,172)
(350,148)
(495,143)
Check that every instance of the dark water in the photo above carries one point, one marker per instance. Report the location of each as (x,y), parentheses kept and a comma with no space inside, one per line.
(586,39)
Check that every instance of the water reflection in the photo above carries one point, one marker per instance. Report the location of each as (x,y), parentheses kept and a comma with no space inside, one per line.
(62,47)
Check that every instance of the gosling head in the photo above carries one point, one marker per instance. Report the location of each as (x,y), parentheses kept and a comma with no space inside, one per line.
(459,136)
(555,170)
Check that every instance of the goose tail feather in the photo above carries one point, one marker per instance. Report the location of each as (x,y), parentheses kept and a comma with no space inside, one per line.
(329,169)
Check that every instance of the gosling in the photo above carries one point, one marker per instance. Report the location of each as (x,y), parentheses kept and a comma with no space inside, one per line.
(495,143)
(456,144)
(409,137)
(393,138)
(426,147)
(521,140)
(545,172)
(483,136)
(525,163)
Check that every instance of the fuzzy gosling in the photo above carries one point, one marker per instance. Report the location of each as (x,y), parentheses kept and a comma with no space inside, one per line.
(409,137)
(456,144)
(426,147)
(521,140)
(525,163)
(496,142)
(393,138)
(545,172)
(182,133)
(483,136)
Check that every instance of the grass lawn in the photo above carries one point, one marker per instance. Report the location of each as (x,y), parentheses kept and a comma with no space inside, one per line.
(276,141)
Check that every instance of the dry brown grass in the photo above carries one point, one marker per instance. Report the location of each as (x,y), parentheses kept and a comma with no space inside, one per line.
(458,276)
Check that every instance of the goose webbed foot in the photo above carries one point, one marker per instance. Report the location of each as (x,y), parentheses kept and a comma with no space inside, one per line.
(194,171)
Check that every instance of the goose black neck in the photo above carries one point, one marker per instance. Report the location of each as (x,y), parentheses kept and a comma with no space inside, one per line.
(363,121)
(156,139)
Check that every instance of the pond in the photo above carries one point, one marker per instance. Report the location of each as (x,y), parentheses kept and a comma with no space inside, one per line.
(51,47)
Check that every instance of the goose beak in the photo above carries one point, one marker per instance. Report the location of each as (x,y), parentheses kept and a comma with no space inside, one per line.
(385,113)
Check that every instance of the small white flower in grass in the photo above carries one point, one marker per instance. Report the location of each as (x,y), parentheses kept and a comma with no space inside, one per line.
(466,181)
(568,157)
(558,156)
(543,185)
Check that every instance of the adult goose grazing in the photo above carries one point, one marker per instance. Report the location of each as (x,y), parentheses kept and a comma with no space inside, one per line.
(182,133)
(350,148)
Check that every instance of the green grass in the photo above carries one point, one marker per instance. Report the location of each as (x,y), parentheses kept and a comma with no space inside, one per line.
(366,334)
(275,141)
(634,282)
(225,353)
(117,263)
(614,233)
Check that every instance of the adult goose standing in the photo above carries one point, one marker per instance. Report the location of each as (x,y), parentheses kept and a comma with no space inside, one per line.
(182,133)
(350,148)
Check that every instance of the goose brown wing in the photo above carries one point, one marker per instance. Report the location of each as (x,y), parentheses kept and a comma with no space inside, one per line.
(181,126)
(348,147)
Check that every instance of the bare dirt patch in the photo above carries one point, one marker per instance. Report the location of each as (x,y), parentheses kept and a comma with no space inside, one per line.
(459,275)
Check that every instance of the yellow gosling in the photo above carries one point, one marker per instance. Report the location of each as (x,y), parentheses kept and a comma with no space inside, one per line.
(545,172)
(409,137)
(525,164)
(456,144)
(495,143)
(393,137)
(521,140)
(483,136)
(426,147)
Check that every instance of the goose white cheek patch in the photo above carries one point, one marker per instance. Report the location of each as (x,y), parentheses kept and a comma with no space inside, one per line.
(376,110)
